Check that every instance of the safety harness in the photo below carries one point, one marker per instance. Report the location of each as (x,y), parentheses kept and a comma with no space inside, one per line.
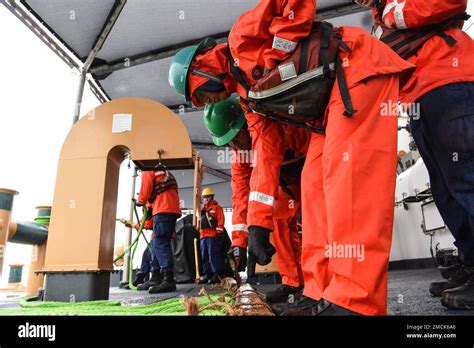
(406,42)
(168,183)
(207,221)
(297,92)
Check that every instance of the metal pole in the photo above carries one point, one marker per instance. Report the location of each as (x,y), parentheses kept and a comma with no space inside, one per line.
(197,190)
(80,92)
(128,237)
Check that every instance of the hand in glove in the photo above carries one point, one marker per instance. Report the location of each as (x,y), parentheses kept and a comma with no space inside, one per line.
(251,263)
(241,253)
(260,246)
(138,204)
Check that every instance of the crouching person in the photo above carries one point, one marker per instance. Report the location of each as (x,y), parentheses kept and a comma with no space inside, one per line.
(226,123)
(160,189)
(347,172)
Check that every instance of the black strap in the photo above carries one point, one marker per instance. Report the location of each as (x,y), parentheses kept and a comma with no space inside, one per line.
(290,122)
(451,41)
(393,36)
(236,71)
(304,56)
(325,46)
(287,190)
(344,90)
(342,44)
(435,29)
(418,35)
(341,78)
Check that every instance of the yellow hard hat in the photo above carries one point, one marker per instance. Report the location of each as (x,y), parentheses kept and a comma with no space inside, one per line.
(208,192)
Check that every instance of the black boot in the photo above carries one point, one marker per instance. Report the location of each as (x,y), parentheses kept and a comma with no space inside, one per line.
(156,279)
(448,271)
(302,306)
(215,279)
(326,308)
(140,278)
(455,280)
(167,285)
(293,299)
(204,279)
(461,297)
(310,307)
(281,293)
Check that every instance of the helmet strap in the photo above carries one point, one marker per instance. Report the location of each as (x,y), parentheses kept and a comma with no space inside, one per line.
(211,77)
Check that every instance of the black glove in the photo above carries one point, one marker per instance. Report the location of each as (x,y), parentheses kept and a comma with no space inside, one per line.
(260,246)
(241,253)
(251,263)
(138,204)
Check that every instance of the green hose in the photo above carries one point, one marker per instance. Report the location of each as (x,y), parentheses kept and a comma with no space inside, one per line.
(133,246)
(43,220)
(129,247)
(140,232)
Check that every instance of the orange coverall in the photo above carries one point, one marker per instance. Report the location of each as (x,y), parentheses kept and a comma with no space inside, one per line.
(350,171)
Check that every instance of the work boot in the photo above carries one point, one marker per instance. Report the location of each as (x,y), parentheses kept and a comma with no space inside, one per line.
(310,307)
(461,297)
(167,285)
(204,279)
(448,271)
(156,279)
(281,293)
(302,306)
(215,279)
(292,300)
(140,278)
(457,279)
(326,308)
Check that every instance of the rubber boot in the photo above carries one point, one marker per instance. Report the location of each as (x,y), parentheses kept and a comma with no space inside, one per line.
(156,279)
(461,297)
(140,278)
(459,278)
(167,285)
(281,293)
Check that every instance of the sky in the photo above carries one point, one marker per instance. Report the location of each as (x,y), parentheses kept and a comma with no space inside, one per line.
(37,96)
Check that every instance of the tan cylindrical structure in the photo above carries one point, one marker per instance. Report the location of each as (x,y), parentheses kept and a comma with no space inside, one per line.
(6,205)
(82,230)
(36,280)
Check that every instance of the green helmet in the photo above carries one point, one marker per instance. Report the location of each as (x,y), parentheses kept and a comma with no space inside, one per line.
(224,120)
(179,68)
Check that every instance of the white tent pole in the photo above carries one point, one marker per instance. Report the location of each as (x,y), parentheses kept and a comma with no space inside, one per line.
(128,237)
(80,92)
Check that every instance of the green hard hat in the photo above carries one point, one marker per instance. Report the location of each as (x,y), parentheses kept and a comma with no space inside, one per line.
(179,68)
(224,120)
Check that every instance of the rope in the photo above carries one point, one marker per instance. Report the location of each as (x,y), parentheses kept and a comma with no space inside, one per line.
(170,307)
